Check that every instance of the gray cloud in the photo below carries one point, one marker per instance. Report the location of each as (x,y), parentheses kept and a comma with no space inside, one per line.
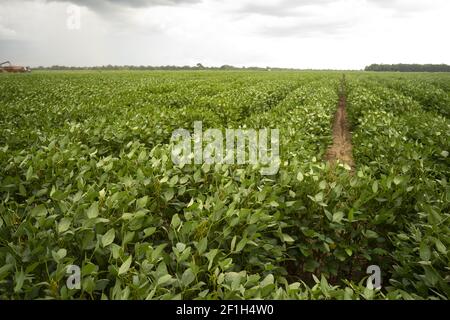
(289,8)
(108,5)
(128,3)
(240,32)
(402,7)
(307,28)
(17,51)
(298,18)
(283,8)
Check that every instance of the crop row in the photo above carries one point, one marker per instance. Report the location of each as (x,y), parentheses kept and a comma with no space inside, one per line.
(404,147)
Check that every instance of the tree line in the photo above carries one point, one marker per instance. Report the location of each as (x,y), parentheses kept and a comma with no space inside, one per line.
(198,66)
(409,67)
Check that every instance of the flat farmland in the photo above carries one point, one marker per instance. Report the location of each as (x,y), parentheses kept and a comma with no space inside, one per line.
(91,188)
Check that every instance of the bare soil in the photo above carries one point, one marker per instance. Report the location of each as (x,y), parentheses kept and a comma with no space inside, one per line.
(341,149)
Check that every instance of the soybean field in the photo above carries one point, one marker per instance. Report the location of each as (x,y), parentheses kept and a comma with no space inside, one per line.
(88,186)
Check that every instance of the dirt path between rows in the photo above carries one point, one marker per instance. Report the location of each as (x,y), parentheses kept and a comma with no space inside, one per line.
(341,149)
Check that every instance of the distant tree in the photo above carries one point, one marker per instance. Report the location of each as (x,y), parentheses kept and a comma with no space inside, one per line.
(409,67)
(198,66)
(227,67)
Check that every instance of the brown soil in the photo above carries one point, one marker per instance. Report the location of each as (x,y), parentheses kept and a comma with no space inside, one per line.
(341,149)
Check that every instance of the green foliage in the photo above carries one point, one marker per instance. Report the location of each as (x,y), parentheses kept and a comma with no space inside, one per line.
(409,67)
(86,179)
(405,146)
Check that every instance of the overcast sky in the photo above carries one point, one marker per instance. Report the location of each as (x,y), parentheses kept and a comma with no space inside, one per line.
(336,34)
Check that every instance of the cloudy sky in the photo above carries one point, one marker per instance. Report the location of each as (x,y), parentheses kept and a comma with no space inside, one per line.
(336,34)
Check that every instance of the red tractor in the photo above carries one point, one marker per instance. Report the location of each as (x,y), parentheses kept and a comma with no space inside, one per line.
(14,69)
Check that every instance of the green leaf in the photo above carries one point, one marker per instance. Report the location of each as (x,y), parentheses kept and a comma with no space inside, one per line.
(431,276)
(175,221)
(142,202)
(168,195)
(324,284)
(322,185)
(4,270)
(142,156)
(202,244)
(19,280)
(125,266)
(64,224)
(269,279)
(287,238)
(316,280)
(338,216)
(300,176)
(440,246)
(149,231)
(241,244)
(164,279)
(397,180)
(403,237)
(318,197)
(58,255)
(349,251)
(371,234)
(173,181)
(108,238)
(89,268)
(210,256)
(274,204)
(29,174)
(187,277)
(351,214)
(233,243)
(115,250)
(92,212)
(375,187)
(39,211)
(180,246)
(157,253)
(425,252)
(22,190)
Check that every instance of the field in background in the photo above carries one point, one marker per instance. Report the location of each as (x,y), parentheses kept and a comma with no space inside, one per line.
(86,179)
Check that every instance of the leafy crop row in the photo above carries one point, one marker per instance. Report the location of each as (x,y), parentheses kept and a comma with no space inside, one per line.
(405,148)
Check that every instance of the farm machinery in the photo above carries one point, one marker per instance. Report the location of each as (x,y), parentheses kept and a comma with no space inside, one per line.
(8,67)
